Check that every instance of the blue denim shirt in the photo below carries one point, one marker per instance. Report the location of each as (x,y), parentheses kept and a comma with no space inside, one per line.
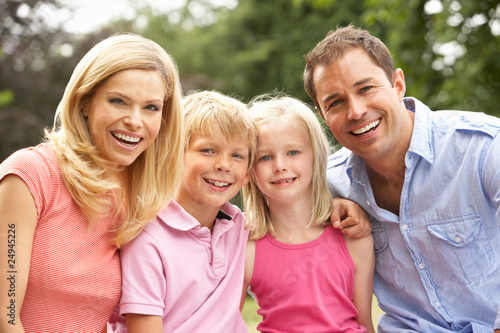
(438,262)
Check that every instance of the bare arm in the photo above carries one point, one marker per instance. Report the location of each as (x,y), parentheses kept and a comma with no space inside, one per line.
(249,264)
(138,323)
(18,219)
(351,218)
(362,253)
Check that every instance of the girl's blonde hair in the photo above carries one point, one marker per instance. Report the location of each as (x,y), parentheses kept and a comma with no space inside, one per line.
(207,111)
(264,110)
(136,193)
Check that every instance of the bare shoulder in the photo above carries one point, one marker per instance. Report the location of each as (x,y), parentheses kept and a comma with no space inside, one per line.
(361,249)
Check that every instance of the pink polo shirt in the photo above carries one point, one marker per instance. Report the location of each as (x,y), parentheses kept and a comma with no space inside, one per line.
(179,270)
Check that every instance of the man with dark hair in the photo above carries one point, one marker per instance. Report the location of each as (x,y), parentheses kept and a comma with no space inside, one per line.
(430,182)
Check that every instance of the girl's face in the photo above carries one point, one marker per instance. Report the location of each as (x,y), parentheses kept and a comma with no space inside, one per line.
(124,117)
(284,167)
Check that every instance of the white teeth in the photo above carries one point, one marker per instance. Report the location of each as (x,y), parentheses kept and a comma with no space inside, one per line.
(218,183)
(367,127)
(289,180)
(132,140)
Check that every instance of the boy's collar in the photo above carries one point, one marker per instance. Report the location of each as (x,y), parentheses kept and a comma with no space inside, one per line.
(223,216)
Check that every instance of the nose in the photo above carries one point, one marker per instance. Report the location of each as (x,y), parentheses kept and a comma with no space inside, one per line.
(223,163)
(279,165)
(356,109)
(133,119)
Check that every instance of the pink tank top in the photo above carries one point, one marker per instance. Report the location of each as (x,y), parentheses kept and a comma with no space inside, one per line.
(305,287)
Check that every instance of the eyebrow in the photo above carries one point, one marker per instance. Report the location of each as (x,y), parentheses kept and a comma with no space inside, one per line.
(356,84)
(126,97)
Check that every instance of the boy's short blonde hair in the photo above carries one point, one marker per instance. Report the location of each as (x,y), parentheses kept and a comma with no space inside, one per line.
(206,111)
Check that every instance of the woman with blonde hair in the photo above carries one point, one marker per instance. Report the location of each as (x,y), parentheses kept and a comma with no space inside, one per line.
(109,164)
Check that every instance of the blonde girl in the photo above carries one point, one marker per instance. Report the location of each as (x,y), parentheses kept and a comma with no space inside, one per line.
(306,276)
(108,165)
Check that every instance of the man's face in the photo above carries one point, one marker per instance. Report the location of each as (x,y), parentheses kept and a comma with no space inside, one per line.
(364,111)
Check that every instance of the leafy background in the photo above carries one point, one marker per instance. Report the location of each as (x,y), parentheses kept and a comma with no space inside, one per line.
(448,50)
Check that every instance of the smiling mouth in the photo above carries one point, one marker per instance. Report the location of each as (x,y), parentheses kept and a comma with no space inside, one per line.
(367,129)
(283,181)
(217,183)
(129,141)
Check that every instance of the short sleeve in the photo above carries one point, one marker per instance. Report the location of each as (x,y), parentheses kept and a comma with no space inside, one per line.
(34,169)
(143,278)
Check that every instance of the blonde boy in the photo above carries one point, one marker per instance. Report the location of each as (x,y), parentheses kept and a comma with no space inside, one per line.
(184,272)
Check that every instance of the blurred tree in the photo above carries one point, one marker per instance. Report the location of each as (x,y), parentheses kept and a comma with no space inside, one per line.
(251,49)
(32,70)
(448,49)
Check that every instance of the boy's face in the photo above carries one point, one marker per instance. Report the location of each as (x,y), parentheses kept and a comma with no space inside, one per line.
(214,172)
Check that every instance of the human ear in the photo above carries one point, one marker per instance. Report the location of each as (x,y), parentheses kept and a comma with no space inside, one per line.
(398,80)
(84,110)
(319,111)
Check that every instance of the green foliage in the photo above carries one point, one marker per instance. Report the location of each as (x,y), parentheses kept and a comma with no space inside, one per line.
(258,47)
(467,75)
(32,74)
(252,49)
(6,97)
(249,313)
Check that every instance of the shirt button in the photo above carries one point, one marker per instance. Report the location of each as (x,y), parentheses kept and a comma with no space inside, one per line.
(421,266)
(438,305)
(404,227)
(368,203)
(458,239)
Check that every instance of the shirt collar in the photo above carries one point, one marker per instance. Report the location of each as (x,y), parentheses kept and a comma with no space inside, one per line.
(223,216)
(176,217)
(421,139)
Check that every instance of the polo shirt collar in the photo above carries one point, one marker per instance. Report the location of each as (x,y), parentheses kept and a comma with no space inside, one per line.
(176,217)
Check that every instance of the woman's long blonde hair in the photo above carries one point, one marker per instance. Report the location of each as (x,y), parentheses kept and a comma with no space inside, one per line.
(265,109)
(142,189)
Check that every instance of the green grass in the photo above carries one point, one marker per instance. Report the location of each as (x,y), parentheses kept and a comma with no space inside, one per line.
(252,319)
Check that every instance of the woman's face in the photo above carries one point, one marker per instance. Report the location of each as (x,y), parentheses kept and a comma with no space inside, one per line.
(124,116)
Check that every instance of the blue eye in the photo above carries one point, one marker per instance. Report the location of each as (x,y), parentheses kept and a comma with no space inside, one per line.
(365,89)
(293,152)
(239,156)
(265,158)
(117,101)
(152,107)
(335,103)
